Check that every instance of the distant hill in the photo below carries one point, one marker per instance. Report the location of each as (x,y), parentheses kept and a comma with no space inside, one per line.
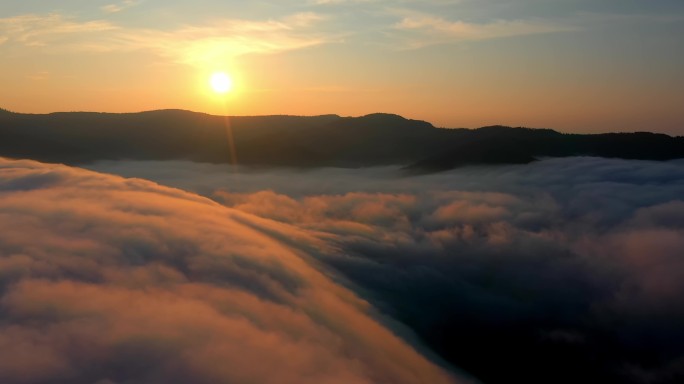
(328,140)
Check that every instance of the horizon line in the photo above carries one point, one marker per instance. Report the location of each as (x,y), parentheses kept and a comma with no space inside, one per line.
(565,132)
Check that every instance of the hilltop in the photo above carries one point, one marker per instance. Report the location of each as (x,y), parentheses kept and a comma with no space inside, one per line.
(304,141)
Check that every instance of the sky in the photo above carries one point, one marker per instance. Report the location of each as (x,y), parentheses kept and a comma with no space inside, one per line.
(572,65)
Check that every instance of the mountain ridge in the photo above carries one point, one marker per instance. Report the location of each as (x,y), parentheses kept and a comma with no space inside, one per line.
(305,141)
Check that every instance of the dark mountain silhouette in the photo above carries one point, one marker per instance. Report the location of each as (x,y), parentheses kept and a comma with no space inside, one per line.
(328,140)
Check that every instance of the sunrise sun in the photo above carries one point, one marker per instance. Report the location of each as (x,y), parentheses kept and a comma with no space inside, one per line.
(221,82)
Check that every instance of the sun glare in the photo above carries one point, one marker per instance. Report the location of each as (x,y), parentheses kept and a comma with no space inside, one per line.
(220,82)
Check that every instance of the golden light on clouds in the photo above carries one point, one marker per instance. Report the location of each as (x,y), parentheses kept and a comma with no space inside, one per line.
(182,283)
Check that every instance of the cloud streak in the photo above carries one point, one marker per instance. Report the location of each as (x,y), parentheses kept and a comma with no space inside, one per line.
(198,45)
(221,40)
(428,29)
(118,7)
(46,30)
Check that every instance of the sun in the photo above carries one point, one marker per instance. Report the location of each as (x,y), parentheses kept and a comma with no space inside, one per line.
(220,82)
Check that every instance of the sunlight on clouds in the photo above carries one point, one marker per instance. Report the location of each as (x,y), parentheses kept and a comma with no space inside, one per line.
(106,279)
(118,7)
(202,46)
(225,40)
(195,45)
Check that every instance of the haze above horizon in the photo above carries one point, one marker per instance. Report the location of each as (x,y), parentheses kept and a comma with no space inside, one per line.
(572,65)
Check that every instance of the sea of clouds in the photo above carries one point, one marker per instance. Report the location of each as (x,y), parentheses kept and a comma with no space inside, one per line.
(112,280)
(564,270)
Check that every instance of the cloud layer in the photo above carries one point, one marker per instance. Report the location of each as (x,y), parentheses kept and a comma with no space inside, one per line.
(564,270)
(560,271)
(198,45)
(112,280)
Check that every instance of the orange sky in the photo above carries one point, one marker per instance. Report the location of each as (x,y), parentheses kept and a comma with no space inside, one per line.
(582,68)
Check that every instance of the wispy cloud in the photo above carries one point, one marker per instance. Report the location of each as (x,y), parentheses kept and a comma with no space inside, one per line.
(226,39)
(118,7)
(38,76)
(197,45)
(428,29)
(41,30)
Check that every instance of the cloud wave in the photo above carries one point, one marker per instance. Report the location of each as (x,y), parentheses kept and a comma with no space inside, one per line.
(112,280)
(564,270)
